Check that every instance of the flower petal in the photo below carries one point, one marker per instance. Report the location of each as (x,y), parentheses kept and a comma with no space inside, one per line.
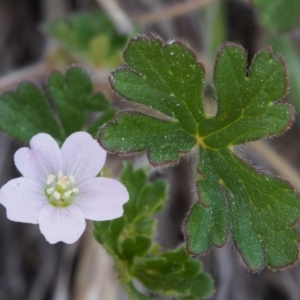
(83,157)
(41,159)
(23,198)
(101,198)
(61,224)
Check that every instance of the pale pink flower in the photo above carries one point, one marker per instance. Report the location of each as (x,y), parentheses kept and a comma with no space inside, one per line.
(60,189)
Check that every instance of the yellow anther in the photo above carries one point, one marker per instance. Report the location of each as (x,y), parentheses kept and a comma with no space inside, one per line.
(63,182)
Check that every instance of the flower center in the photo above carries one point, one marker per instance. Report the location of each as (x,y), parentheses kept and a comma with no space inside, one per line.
(60,190)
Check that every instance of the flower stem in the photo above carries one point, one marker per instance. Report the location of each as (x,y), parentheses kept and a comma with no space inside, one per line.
(124,277)
(132,292)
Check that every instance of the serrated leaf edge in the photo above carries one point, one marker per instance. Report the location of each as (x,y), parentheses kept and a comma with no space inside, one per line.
(136,151)
(240,253)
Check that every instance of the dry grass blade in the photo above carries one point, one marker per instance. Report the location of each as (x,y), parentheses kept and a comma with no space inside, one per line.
(171,12)
(32,73)
(117,15)
(280,165)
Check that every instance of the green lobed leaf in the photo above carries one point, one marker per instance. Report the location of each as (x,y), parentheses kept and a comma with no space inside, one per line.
(74,98)
(278,15)
(163,140)
(91,35)
(149,198)
(108,233)
(129,240)
(260,209)
(257,210)
(26,112)
(135,246)
(174,273)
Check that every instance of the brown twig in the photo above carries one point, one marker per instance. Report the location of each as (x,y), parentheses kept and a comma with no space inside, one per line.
(171,12)
(32,72)
(39,71)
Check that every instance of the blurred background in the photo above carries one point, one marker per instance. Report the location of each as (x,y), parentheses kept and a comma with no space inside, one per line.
(32,269)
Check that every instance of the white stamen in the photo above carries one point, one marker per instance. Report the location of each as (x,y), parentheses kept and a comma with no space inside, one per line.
(50,179)
(72,179)
(50,190)
(67,194)
(56,195)
(60,189)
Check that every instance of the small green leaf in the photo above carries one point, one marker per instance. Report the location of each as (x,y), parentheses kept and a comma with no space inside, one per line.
(149,197)
(74,98)
(26,112)
(91,35)
(278,15)
(99,52)
(176,274)
(108,232)
(137,246)
(259,211)
(138,224)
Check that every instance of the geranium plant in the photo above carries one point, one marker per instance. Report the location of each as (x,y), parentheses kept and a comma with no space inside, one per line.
(62,183)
